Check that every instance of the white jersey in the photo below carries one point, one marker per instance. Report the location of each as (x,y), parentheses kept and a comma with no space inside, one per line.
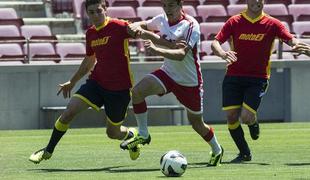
(186,72)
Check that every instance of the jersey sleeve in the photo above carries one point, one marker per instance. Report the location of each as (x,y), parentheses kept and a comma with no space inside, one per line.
(193,34)
(282,32)
(154,23)
(225,32)
(89,49)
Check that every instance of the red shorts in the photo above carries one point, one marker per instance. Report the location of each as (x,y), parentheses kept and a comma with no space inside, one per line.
(190,97)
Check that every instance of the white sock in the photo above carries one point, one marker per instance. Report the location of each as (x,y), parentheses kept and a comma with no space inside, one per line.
(216,148)
(142,124)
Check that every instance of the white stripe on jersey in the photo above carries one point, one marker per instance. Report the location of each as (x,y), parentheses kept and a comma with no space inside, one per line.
(186,72)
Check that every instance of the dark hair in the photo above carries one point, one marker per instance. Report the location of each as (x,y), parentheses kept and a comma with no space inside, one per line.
(92,2)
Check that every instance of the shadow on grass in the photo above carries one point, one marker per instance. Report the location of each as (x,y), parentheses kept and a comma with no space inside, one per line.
(112,169)
(204,164)
(298,164)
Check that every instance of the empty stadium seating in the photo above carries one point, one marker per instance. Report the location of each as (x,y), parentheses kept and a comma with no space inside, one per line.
(71,50)
(211,10)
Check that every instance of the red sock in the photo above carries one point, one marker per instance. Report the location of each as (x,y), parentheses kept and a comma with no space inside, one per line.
(140,108)
(209,136)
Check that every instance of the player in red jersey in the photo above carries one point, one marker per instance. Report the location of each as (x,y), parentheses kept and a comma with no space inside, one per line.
(108,85)
(251,34)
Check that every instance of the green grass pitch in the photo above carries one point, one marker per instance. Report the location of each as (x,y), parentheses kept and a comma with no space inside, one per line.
(282,152)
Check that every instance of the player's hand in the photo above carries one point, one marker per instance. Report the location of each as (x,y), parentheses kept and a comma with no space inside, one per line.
(301,48)
(150,47)
(65,88)
(135,29)
(180,44)
(230,57)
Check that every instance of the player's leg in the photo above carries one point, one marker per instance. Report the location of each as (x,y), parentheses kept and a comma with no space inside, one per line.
(253,94)
(75,106)
(233,93)
(149,85)
(207,133)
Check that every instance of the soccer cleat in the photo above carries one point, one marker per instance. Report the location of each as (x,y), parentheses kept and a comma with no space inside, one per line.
(39,156)
(134,142)
(254,130)
(241,158)
(216,159)
(135,152)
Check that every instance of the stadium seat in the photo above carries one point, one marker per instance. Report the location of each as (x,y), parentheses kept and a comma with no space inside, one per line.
(299,9)
(190,10)
(193,3)
(217,18)
(234,9)
(301,2)
(17,22)
(121,12)
(147,12)
(303,17)
(77,7)
(133,3)
(71,50)
(210,29)
(275,9)
(11,52)
(41,52)
(300,27)
(152,3)
(60,6)
(9,31)
(241,2)
(285,2)
(225,3)
(211,10)
(35,30)
(8,13)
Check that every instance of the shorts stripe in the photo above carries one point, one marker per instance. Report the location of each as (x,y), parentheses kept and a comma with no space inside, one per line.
(160,82)
(249,108)
(231,107)
(87,101)
(194,112)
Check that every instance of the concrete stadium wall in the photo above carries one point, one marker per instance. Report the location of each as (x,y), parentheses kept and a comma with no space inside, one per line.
(27,88)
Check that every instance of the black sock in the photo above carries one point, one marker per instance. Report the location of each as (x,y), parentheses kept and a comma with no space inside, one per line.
(55,138)
(238,137)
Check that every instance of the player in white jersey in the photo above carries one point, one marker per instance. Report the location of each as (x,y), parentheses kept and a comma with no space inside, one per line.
(180,74)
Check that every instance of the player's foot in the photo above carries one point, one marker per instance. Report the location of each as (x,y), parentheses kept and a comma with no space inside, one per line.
(135,152)
(254,130)
(241,158)
(216,159)
(39,156)
(134,142)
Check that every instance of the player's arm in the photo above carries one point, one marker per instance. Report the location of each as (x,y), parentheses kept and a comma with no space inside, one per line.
(173,54)
(85,67)
(229,56)
(139,30)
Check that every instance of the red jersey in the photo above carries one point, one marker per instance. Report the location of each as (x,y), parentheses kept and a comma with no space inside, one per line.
(252,39)
(109,43)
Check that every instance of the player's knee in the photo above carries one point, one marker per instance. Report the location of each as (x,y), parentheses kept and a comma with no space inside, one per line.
(247,118)
(112,134)
(232,117)
(67,116)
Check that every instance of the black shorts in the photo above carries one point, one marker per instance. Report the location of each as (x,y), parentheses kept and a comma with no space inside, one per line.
(115,102)
(243,91)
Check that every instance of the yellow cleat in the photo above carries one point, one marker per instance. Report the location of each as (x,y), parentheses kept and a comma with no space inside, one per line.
(39,156)
(216,159)
(135,152)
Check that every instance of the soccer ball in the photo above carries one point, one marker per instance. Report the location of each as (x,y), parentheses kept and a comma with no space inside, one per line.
(173,164)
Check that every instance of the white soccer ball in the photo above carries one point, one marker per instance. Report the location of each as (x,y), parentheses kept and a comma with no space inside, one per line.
(173,164)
